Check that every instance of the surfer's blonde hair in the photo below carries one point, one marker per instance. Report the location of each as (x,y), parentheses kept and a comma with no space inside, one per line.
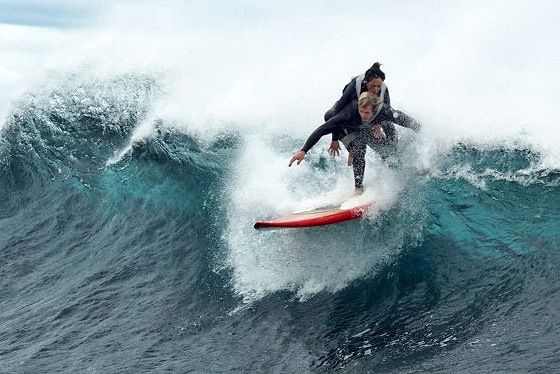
(368,99)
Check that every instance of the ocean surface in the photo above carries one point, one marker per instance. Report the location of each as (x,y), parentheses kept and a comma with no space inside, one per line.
(145,260)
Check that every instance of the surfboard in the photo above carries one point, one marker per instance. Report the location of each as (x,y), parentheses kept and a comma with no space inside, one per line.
(326,215)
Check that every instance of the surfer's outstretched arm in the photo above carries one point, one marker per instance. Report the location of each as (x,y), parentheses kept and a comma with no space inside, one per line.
(298,156)
(311,141)
(327,128)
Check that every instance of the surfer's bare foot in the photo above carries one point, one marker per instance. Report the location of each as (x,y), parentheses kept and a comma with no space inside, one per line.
(358,191)
(350,159)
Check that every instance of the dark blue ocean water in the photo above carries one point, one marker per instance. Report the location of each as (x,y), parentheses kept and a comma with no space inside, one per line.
(141,266)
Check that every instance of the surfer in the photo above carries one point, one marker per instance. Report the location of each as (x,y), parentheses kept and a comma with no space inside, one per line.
(373,80)
(366,121)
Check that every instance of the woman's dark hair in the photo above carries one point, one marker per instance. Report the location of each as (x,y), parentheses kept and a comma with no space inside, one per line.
(374,72)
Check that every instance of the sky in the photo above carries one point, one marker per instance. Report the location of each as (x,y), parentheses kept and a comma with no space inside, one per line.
(48,13)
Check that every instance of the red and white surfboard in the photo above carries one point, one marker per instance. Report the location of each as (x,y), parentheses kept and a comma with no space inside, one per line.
(316,217)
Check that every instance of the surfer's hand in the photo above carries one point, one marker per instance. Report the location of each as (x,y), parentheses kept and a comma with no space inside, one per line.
(299,156)
(378,132)
(334,149)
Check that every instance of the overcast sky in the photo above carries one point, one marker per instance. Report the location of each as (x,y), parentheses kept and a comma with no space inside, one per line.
(48,13)
(74,13)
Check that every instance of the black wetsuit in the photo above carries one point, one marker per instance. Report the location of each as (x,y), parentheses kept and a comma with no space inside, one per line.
(350,93)
(347,126)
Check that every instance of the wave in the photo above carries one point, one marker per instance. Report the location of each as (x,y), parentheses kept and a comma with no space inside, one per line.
(68,131)
(457,233)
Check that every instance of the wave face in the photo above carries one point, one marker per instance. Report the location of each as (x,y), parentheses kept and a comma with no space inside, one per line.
(150,263)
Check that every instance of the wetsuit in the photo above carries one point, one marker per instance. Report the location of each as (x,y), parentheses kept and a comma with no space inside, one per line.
(344,122)
(357,141)
(348,126)
(352,91)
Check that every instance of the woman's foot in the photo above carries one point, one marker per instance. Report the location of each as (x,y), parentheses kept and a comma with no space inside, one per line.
(358,191)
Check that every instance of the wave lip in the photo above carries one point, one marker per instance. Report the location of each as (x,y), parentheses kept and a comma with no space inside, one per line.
(72,128)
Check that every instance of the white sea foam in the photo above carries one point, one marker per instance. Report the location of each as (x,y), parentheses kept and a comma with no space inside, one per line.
(310,260)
